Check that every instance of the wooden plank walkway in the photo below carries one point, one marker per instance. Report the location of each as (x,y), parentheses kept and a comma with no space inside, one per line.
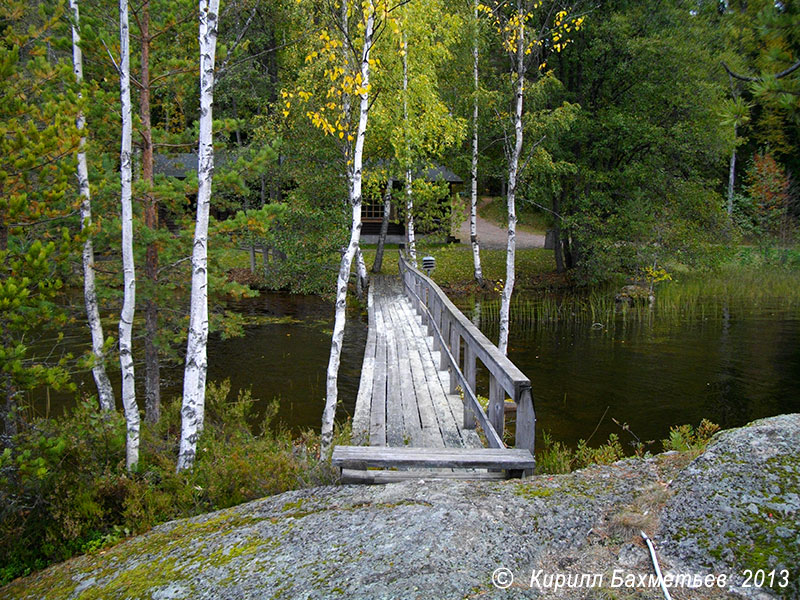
(403,398)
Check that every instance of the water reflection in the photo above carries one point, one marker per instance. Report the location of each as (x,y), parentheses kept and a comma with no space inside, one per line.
(283,356)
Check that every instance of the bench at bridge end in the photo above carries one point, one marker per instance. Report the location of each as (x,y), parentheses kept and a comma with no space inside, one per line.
(512,460)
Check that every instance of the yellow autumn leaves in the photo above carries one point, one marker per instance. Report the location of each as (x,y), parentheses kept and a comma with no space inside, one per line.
(512,29)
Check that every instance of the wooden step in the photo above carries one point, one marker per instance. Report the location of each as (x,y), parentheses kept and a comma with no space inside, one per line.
(378,476)
(363,457)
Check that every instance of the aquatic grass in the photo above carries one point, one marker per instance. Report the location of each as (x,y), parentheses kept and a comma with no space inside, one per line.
(689,297)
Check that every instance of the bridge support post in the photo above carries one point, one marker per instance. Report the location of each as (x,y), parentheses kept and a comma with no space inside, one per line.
(526,423)
(469,375)
(496,412)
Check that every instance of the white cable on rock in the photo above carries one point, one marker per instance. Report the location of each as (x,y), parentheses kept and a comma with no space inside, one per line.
(655,564)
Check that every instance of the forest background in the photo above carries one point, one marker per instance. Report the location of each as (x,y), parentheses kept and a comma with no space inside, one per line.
(656,134)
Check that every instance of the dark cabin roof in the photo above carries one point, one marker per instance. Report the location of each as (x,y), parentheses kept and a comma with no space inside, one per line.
(439,173)
(174,165)
(179,164)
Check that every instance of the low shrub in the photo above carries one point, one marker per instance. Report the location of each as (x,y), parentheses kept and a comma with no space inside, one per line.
(64,489)
(555,457)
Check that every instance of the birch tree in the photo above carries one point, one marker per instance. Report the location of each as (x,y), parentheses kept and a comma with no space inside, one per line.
(423,128)
(194,379)
(735,115)
(527,38)
(411,243)
(354,179)
(516,47)
(128,271)
(105,393)
(473,210)
(341,111)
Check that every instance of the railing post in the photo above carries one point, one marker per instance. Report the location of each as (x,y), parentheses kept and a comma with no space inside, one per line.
(526,421)
(425,305)
(429,302)
(445,329)
(469,375)
(455,350)
(496,412)
(437,320)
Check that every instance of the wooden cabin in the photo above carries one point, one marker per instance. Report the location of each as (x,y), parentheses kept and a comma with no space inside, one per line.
(372,208)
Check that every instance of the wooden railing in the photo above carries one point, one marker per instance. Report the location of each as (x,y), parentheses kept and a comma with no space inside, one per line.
(449,327)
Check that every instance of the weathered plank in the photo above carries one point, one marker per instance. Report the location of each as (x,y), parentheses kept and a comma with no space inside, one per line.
(395,431)
(359,457)
(431,433)
(370,477)
(411,421)
(377,417)
(444,415)
(361,422)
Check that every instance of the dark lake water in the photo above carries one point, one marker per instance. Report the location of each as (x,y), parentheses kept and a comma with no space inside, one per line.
(730,366)
(283,356)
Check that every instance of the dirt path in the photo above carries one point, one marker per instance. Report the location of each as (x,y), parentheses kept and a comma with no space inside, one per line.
(491,235)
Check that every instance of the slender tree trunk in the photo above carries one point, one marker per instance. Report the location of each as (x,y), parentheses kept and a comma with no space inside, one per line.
(361,270)
(152,384)
(473,211)
(354,188)
(732,174)
(265,260)
(129,274)
(377,264)
(567,246)
(105,392)
(508,288)
(194,380)
(252,252)
(558,249)
(410,237)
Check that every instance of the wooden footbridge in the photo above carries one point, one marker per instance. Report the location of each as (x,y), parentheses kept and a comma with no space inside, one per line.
(417,406)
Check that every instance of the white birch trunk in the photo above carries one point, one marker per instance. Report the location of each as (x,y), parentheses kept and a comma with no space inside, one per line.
(128,271)
(194,376)
(105,392)
(361,269)
(410,237)
(473,211)
(732,174)
(508,288)
(354,189)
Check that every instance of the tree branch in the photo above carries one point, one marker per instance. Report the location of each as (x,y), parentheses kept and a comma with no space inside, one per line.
(238,39)
(780,75)
(114,62)
(175,264)
(530,155)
